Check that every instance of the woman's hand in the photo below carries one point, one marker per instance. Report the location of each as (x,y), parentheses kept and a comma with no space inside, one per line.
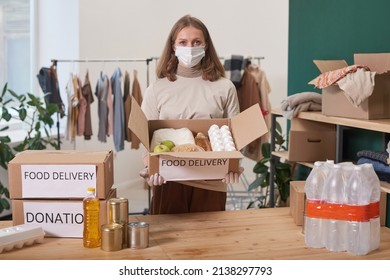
(233,177)
(152,180)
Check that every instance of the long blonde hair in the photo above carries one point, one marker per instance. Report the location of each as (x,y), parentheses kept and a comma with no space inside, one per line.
(210,65)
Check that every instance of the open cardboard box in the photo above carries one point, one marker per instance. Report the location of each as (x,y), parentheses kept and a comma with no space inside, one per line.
(377,106)
(173,166)
(60,173)
(311,141)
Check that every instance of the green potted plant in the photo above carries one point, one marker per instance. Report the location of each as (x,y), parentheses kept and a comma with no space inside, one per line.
(282,174)
(37,118)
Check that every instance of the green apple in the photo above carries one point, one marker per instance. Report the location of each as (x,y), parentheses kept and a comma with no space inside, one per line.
(160,148)
(168,143)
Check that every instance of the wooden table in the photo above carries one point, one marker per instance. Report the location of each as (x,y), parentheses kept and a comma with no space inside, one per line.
(246,234)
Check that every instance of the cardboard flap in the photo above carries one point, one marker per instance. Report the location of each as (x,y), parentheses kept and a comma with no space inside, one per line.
(248,126)
(60,157)
(378,62)
(138,123)
(202,155)
(330,65)
(326,66)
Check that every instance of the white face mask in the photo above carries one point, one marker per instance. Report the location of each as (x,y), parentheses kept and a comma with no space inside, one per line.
(190,56)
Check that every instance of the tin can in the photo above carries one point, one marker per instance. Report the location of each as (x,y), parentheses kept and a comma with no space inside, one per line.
(118,212)
(138,235)
(112,239)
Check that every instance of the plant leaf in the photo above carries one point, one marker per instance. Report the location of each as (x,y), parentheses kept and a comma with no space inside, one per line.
(22,114)
(5,204)
(4,90)
(266,150)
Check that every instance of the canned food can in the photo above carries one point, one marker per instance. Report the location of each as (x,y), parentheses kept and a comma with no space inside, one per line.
(112,239)
(138,235)
(118,212)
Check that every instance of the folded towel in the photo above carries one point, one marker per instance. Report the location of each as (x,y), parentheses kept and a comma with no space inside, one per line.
(301,102)
(383,176)
(377,165)
(381,156)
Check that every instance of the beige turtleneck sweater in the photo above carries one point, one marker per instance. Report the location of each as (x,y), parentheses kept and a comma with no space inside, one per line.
(191,97)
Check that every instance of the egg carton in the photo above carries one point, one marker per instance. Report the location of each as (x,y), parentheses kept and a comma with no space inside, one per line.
(19,236)
(221,138)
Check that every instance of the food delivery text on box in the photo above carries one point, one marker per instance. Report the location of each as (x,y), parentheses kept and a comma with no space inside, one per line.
(177,169)
(194,162)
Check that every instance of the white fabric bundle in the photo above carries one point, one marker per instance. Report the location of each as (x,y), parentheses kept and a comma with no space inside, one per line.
(179,136)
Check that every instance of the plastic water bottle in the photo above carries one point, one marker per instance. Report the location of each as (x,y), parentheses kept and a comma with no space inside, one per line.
(328,166)
(375,225)
(358,193)
(335,238)
(314,187)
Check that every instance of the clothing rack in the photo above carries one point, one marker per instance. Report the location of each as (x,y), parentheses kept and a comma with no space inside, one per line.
(258,58)
(117,60)
(55,62)
(147,60)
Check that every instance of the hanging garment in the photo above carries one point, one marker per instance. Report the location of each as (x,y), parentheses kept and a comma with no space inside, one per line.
(119,113)
(75,107)
(254,86)
(233,67)
(48,82)
(127,105)
(265,90)
(137,94)
(110,109)
(102,89)
(88,96)
(82,106)
(69,121)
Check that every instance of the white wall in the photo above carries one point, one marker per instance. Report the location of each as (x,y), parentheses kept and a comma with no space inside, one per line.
(92,29)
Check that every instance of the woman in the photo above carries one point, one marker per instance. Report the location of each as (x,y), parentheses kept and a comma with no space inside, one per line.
(191,85)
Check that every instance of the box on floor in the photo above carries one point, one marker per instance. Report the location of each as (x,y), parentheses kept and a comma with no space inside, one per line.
(60,174)
(377,106)
(209,165)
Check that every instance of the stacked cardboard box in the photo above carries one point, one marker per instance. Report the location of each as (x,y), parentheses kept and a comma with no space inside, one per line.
(310,141)
(47,188)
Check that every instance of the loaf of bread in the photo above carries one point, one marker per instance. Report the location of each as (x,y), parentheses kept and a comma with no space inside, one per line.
(187,148)
(203,141)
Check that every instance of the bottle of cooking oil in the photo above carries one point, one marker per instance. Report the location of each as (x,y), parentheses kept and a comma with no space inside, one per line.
(91,232)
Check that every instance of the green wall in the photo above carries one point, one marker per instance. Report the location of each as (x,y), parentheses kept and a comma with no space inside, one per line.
(336,29)
(333,29)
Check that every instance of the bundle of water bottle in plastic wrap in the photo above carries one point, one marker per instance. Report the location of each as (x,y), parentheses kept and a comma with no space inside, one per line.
(342,207)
